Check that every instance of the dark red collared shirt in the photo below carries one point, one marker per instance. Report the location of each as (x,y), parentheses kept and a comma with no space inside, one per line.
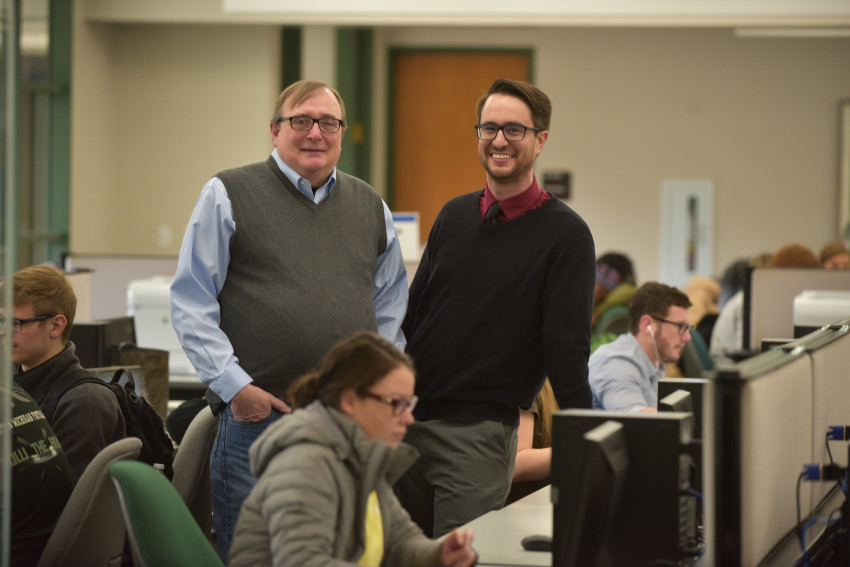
(517,205)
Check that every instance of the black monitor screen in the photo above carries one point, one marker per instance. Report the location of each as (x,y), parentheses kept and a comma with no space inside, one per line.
(604,461)
(95,339)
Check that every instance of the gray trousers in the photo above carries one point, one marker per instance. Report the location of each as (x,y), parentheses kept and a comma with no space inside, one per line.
(464,472)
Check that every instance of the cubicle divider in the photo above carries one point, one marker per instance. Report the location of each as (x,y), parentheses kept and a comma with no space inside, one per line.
(769,300)
(770,415)
(100,280)
(776,429)
(829,351)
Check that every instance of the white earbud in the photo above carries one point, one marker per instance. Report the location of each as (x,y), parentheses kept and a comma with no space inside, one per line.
(655,347)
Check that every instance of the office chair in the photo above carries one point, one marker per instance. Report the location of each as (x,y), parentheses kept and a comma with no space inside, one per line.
(160,528)
(695,361)
(615,320)
(192,467)
(90,530)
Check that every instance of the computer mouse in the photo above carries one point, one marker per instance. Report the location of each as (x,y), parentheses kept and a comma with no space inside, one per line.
(537,543)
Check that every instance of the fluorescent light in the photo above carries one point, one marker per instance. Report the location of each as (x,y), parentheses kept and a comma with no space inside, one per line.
(793,32)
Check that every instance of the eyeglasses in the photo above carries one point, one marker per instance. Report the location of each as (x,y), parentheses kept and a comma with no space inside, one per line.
(683,327)
(18,324)
(512,132)
(399,405)
(305,123)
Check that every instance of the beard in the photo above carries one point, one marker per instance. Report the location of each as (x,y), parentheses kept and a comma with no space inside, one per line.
(669,353)
(522,164)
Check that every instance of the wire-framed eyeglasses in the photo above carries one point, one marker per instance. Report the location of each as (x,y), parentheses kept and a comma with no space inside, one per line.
(18,324)
(305,123)
(399,405)
(512,132)
(682,327)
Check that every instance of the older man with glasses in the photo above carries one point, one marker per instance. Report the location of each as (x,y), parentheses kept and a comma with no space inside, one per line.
(86,417)
(624,374)
(280,259)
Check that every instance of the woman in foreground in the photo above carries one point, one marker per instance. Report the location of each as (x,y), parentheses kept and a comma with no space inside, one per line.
(324,491)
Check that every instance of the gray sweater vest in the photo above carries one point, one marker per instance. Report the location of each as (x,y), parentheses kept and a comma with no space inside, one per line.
(300,274)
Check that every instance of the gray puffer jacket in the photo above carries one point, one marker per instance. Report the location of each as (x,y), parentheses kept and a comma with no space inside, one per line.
(315,470)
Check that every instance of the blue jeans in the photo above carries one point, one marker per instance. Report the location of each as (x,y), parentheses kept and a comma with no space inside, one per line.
(230,472)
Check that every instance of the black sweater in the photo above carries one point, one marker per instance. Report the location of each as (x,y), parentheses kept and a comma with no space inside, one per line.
(494,309)
(87,417)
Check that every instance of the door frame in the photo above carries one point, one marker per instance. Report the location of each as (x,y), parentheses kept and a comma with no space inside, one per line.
(393,52)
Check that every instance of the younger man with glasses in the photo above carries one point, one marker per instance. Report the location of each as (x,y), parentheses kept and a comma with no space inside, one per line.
(502,299)
(87,417)
(624,374)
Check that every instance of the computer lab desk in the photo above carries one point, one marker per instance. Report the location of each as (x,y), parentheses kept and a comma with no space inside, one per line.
(182,387)
(498,534)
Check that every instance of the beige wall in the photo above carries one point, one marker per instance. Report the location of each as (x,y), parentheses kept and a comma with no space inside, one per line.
(156,111)
(159,108)
(635,106)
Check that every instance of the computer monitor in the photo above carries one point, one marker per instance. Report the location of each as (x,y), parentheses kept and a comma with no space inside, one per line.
(95,339)
(588,525)
(683,402)
(678,400)
(653,523)
(697,388)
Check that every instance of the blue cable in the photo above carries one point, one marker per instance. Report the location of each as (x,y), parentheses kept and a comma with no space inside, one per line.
(693,492)
(809,524)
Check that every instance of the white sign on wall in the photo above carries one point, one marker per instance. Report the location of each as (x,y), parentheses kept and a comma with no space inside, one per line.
(687,230)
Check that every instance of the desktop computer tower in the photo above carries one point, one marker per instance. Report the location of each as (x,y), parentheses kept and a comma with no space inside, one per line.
(656,518)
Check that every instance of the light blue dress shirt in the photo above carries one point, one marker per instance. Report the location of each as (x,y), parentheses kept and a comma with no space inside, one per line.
(622,377)
(202,269)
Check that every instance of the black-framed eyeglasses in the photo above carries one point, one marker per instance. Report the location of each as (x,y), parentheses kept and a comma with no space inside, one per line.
(399,405)
(305,123)
(18,324)
(682,327)
(512,132)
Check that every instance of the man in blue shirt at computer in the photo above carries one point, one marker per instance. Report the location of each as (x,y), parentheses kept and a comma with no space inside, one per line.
(280,259)
(624,374)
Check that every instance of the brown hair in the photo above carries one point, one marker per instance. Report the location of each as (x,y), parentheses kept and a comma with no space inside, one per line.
(834,248)
(300,91)
(794,256)
(654,299)
(356,361)
(546,406)
(48,291)
(535,99)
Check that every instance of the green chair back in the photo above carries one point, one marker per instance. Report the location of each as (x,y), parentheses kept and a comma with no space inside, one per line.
(160,527)
(615,320)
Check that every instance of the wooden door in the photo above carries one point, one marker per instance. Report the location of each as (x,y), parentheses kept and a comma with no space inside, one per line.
(432,146)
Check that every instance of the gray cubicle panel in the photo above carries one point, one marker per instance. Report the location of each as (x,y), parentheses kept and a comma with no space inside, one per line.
(769,299)
(764,426)
(829,352)
(110,275)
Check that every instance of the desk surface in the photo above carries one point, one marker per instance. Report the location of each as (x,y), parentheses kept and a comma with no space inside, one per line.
(185,381)
(498,534)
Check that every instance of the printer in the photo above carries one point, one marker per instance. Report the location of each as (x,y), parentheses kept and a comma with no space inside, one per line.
(149,302)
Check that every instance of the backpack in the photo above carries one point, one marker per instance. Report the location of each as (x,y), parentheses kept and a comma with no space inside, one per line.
(140,418)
